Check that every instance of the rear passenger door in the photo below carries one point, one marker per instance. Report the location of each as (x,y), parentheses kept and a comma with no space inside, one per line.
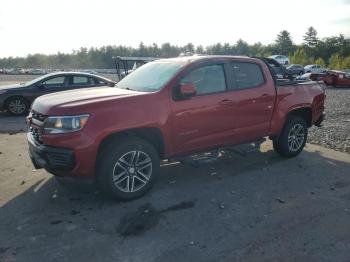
(253,96)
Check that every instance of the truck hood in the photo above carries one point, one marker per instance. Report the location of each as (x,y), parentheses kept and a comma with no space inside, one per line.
(73,101)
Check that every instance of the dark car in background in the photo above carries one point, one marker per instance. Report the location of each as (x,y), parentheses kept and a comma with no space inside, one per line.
(16,99)
(296,69)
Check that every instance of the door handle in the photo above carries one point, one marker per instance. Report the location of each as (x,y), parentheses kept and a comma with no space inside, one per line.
(226,102)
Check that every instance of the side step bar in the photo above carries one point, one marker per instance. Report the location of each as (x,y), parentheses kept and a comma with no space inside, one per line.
(211,156)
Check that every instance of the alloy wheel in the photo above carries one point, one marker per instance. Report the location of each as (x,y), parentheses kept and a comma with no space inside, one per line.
(17,106)
(296,137)
(132,171)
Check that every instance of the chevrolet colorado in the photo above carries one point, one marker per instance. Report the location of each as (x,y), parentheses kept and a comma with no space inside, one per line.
(169,109)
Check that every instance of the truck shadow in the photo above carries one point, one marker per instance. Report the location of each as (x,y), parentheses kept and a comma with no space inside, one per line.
(47,209)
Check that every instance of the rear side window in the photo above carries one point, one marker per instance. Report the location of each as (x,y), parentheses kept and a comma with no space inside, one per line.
(208,79)
(98,81)
(80,80)
(247,75)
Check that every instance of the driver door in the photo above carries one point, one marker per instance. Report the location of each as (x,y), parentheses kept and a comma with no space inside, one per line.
(51,85)
(206,119)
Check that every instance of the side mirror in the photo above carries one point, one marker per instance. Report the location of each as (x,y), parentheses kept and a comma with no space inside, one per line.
(187,90)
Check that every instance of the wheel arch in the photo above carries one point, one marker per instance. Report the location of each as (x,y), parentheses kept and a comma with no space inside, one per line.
(150,134)
(303,112)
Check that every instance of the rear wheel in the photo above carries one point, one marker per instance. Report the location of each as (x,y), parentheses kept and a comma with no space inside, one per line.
(293,137)
(16,106)
(127,169)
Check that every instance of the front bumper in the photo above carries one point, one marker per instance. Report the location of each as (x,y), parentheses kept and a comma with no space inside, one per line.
(57,161)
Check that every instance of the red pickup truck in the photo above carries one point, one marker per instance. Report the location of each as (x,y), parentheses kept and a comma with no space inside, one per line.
(169,109)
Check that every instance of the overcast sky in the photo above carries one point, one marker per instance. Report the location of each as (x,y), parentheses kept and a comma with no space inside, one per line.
(49,26)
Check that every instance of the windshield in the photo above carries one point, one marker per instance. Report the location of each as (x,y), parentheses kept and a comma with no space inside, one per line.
(150,77)
(35,80)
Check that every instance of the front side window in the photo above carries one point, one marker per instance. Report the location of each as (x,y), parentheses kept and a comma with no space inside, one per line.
(55,82)
(247,75)
(208,79)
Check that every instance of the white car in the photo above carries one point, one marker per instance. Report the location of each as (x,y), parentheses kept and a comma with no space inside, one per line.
(282,59)
(314,69)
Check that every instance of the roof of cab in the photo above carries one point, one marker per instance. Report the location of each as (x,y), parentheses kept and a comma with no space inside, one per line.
(189,59)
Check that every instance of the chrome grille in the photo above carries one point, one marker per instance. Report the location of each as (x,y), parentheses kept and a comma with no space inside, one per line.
(36,126)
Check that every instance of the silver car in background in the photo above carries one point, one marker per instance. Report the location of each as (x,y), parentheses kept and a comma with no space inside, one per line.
(314,69)
(282,59)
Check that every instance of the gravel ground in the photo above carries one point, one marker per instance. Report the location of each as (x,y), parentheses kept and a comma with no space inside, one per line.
(335,130)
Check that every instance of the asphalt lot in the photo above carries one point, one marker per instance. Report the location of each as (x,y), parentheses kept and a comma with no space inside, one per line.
(256,208)
(12,124)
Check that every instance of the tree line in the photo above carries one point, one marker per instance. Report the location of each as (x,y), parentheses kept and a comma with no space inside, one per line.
(333,52)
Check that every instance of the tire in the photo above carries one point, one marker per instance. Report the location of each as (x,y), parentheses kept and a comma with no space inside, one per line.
(16,106)
(293,137)
(127,168)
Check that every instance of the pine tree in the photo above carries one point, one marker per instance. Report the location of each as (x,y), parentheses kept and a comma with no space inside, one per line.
(284,43)
(310,37)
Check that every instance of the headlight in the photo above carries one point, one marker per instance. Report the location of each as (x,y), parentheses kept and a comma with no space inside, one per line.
(2,91)
(64,124)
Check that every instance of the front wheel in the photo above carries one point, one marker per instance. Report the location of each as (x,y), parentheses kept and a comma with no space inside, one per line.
(293,137)
(17,106)
(127,169)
